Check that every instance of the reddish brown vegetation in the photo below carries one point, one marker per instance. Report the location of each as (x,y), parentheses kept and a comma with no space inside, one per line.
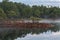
(24,25)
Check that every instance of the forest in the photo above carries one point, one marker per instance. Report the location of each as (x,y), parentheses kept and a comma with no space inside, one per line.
(15,10)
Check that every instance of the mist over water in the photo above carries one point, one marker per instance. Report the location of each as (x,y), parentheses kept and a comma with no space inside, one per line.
(44,21)
(50,21)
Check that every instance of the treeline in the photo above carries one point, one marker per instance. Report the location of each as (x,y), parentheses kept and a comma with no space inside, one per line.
(14,10)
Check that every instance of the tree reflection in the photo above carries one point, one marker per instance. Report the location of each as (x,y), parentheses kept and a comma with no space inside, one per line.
(11,34)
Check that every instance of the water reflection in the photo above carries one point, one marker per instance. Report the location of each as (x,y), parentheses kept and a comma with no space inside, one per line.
(43,36)
(11,34)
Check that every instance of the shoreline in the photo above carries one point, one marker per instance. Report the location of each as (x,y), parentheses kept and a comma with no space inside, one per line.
(22,24)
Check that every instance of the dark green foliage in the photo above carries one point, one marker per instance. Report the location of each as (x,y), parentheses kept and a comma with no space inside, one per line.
(2,14)
(14,10)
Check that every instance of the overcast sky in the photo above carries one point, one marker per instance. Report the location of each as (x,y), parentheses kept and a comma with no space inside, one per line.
(39,2)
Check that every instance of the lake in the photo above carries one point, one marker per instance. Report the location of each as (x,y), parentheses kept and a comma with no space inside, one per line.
(31,33)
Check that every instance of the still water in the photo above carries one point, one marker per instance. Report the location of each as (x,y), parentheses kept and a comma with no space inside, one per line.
(31,34)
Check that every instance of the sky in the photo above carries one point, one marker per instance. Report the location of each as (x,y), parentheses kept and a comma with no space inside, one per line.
(39,2)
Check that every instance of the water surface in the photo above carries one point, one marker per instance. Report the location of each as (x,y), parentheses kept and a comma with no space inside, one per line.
(31,33)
